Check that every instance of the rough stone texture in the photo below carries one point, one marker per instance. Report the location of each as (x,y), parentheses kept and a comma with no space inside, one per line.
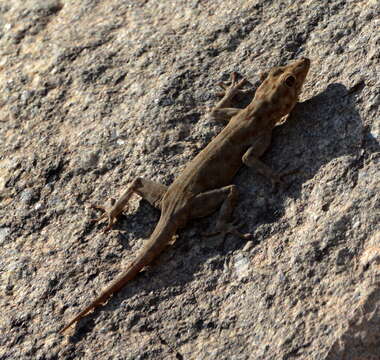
(95,93)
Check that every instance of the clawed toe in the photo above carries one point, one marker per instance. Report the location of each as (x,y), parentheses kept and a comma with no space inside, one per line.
(234,87)
(99,218)
(277,183)
(229,228)
(233,228)
(101,208)
(246,236)
(222,85)
(290,172)
(98,207)
(107,214)
(277,180)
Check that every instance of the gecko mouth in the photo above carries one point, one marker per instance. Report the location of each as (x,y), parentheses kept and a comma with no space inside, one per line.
(301,69)
(303,64)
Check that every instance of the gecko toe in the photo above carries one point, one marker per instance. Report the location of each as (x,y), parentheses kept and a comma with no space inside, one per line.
(97,207)
(232,228)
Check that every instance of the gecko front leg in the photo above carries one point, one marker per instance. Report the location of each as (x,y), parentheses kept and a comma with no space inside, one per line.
(149,190)
(223,110)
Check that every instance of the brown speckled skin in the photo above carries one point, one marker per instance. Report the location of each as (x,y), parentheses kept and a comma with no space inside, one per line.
(204,185)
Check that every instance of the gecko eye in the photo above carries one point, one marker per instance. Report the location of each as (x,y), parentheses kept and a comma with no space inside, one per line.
(290,81)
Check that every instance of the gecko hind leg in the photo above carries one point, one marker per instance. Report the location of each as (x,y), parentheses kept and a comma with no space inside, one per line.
(206,203)
(251,159)
(149,190)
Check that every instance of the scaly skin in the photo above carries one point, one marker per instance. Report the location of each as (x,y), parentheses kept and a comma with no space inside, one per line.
(204,185)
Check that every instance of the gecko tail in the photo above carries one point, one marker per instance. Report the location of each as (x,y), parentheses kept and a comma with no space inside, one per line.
(161,236)
(103,298)
(77,318)
(90,308)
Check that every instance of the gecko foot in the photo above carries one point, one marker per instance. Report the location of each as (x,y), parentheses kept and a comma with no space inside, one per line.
(229,228)
(107,213)
(229,91)
(277,179)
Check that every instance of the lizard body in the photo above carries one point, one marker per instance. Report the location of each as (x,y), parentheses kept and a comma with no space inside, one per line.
(205,184)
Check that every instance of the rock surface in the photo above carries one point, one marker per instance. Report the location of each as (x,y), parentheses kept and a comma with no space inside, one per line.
(94,93)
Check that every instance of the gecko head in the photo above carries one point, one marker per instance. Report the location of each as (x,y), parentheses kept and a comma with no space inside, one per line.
(282,86)
(295,74)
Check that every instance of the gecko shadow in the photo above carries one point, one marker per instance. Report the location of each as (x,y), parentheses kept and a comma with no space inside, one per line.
(321,129)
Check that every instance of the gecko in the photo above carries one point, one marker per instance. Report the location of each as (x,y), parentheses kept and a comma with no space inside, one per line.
(204,186)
